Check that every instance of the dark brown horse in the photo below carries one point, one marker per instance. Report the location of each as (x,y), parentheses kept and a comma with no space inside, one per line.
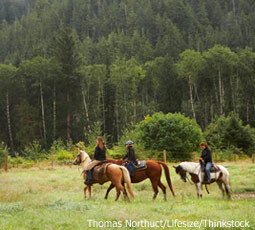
(153,172)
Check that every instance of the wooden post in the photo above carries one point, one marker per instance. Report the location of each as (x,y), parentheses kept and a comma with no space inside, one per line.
(234,157)
(253,158)
(164,155)
(6,162)
(215,157)
(52,159)
(194,156)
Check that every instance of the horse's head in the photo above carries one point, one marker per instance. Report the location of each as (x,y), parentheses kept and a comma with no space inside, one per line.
(179,170)
(81,157)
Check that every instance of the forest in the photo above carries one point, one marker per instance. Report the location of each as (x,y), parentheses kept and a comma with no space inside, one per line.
(69,67)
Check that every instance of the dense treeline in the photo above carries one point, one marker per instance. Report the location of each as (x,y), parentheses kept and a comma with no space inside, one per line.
(68,64)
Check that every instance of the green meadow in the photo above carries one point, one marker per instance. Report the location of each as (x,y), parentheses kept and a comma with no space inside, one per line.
(45,198)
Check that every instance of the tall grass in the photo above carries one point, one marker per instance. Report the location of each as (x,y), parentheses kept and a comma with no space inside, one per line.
(41,198)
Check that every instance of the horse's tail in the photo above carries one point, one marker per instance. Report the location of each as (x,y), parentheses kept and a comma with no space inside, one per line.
(127,180)
(167,174)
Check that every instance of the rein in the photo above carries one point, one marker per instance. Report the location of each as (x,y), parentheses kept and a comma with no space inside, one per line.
(189,180)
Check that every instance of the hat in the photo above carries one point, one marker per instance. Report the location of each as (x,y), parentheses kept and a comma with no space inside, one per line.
(129,142)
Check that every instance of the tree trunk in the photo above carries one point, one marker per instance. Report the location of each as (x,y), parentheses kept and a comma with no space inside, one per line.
(135,111)
(9,119)
(220,94)
(191,99)
(125,103)
(117,118)
(85,108)
(43,117)
(234,7)
(102,93)
(68,114)
(223,98)
(247,112)
(211,108)
(54,111)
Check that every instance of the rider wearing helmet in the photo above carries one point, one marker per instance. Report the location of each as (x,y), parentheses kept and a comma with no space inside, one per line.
(130,157)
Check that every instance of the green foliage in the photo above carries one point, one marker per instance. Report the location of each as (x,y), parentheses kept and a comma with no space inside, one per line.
(175,133)
(33,152)
(63,153)
(3,150)
(229,133)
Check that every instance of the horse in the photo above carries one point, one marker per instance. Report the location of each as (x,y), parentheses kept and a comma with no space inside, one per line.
(153,172)
(118,175)
(197,176)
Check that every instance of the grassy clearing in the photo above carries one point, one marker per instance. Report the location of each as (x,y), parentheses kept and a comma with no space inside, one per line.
(41,198)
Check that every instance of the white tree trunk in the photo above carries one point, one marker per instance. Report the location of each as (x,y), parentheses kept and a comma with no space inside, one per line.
(9,119)
(85,108)
(54,111)
(191,99)
(43,116)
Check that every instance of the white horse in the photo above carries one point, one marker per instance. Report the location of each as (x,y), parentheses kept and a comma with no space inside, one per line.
(197,176)
(118,175)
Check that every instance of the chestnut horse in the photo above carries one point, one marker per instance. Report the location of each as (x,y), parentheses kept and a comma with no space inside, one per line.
(153,172)
(118,175)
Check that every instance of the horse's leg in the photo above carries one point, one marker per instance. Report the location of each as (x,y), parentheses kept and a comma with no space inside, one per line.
(199,189)
(108,190)
(163,188)
(228,189)
(155,188)
(117,194)
(85,189)
(121,188)
(89,191)
(221,188)
(115,176)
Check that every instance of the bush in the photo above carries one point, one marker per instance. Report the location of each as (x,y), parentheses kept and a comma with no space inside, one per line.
(175,133)
(229,134)
(3,150)
(33,152)
(63,153)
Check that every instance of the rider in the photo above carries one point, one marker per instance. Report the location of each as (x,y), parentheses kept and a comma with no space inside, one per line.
(99,156)
(130,157)
(207,157)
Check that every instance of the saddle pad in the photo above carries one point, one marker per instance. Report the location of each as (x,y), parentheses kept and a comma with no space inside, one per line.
(140,165)
(99,170)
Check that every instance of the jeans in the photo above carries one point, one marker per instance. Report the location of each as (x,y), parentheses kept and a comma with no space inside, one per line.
(130,168)
(207,169)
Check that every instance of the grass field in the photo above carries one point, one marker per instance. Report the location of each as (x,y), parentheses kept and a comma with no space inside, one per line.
(42,198)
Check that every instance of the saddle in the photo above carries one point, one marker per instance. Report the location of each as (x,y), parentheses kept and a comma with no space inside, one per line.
(140,165)
(214,168)
(99,171)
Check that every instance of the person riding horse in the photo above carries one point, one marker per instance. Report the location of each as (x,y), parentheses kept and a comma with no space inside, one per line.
(130,157)
(206,156)
(99,156)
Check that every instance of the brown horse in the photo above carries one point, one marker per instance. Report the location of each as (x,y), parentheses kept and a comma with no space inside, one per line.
(118,175)
(153,172)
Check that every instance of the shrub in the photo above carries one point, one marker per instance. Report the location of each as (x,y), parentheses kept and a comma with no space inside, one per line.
(229,134)
(33,152)
(175,133)
(3,150)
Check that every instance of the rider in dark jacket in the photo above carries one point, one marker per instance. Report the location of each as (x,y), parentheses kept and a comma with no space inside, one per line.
(130,157)
(100,154)
(207,157)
